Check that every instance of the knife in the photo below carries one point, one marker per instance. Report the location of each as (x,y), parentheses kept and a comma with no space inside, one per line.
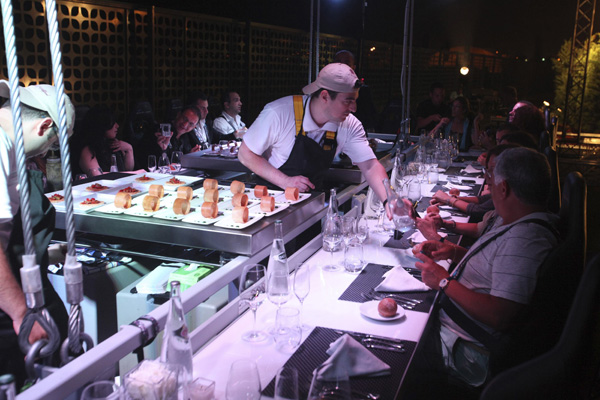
(368,336)
(384,347)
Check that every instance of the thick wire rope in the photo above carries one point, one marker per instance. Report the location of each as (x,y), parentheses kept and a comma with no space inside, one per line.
(15,101)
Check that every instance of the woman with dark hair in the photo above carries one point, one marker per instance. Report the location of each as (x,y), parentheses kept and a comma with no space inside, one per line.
(100,143)
(460,125)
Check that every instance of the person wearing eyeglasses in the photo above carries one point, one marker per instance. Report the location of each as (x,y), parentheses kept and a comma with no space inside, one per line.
(294,139)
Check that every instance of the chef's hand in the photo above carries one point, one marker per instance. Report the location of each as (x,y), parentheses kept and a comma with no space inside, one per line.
(431,273)
(301,182)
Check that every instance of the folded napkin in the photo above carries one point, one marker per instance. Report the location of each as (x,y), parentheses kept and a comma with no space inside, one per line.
(417,236)
(398,280)
(459,187)
(346,354)
(471,170)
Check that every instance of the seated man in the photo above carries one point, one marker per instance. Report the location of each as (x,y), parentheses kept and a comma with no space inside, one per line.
(295,138)
(183,130)
(527,117)
(432,110)
(495,280)
(204,134)
(229,125)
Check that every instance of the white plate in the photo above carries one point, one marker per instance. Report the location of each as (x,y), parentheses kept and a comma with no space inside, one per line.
(168,214)
(197,218)
(110,209)
(369,309)
(186,179)
(278,207)
(227,221)
(158,178)
(113,191)
(167,199)
(78,207)
(281,198)
(139,211)
(225,204)
(443,214)
(81,189)
(272,193)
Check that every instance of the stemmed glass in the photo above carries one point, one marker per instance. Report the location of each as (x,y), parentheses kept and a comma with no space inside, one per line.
(332,239)
(302,285)
(243,381)
(286,384)
(377,206)
(176,161)
(362,228)
(252,293)
(151,163)
(332,385)
(163,163)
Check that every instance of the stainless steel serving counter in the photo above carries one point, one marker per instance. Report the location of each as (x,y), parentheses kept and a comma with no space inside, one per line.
(246,241)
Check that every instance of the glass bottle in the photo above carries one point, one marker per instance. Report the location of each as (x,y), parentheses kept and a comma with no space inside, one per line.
(278,273)
(7,387)
(401,214)
(333,203)
(113,164)
(176,346)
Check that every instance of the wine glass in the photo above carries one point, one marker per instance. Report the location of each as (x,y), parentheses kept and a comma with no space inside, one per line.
(414,191)
(302,285)
(348,232)
(332,239)
(333,384)
(362,228)
(252,293)
(243,381)
(163,163)
(286,384)
(151,163)
(377,206)
(176,161)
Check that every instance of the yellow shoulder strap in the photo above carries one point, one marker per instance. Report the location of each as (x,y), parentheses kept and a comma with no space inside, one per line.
(298,113)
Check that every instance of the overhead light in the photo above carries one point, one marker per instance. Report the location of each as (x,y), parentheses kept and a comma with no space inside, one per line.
(372,48)
(546,104)
(464,70)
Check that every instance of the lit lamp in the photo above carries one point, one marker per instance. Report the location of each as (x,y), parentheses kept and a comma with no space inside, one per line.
(464,71)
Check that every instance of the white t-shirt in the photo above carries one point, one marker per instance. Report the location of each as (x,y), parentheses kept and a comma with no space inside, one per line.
(273,133)
(9,193)
(226,124)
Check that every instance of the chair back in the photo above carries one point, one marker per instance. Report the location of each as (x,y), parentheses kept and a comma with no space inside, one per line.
(555,197)
(140,122)
(173,107)
(563,371)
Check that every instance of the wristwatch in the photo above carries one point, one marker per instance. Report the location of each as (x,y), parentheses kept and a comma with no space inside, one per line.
(444,282)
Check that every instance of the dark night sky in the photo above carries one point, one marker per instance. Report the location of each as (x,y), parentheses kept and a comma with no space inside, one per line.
(517,27)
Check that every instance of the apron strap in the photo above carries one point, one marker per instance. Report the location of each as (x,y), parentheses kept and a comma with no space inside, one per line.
(299,114)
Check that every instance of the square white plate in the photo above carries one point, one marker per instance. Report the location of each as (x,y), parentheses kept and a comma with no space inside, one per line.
(227,206)
(188,180)
(157,178)
(250,193)
(227,221)
(169,215)
(281,198)
(81,189)
(278,207)
(197,218)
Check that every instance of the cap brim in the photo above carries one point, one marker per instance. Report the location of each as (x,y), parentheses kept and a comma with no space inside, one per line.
(310,88)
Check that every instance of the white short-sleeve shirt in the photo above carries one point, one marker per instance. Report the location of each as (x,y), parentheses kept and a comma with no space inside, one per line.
(9,194)
(273,133)
(226,124)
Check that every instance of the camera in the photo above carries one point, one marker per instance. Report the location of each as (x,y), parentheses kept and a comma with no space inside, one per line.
(165,129)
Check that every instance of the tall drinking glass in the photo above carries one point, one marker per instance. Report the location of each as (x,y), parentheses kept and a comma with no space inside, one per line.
(286,384)
(243,381)
(252,293)
(332,385)
(302,285)
(151,163)
(163,163)
(176,161)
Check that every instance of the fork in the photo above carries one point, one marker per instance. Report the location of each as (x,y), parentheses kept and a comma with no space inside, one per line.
(370,296)
(396,296)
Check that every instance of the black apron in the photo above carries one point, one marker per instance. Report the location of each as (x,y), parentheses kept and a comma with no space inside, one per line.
(42,221)
(309,158)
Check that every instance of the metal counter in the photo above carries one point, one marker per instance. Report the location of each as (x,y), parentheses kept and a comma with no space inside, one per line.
(246,241)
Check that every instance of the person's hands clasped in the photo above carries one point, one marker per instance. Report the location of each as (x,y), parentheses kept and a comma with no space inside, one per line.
(301,182)
(435,249)
(120,145)
(431,273)
(440,197)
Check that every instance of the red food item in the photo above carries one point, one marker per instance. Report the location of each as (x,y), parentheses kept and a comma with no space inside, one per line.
(454,192)
(210,184)
(123,200)
(56,198)
(181,206)
(144,178)
(129,189)
(260,191)
(267,204)
(387,308)
(240,215)
(433,209)
(292,194)
(237,187)
(239,200)
(96,187)
(91,201)
(209,209)
(174,181)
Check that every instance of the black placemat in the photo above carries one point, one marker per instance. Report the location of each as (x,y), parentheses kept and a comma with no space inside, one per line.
(311,354)
(371,276)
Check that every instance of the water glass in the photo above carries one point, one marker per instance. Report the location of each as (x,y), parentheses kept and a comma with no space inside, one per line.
(302,285)
(433,176)
(102,390)
(252,293)
(414,190)
(332,239)
(151,163)
(243,381)
(176,161)
(286,384)
(163,163)
(354,257)
(288,332)
(202,389)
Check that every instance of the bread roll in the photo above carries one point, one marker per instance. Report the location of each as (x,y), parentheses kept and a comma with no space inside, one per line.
(292,194)
(239,200)
(237,187)
(151,203)
(210,184)
(387,308)
(211,195)
(433,209)
(454,192)
(267,204)
(181,206)
(240,215)
(185,192)
(157,190)
(260,191)
(209,209)
(123,200)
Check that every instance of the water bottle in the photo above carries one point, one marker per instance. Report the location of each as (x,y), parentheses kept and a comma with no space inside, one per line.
(400,211)
(176,346)
(113,164)
(278,273)
(7,387)
(333,203)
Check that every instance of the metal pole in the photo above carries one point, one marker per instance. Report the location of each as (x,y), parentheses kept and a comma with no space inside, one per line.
(311,40)
(318,39)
